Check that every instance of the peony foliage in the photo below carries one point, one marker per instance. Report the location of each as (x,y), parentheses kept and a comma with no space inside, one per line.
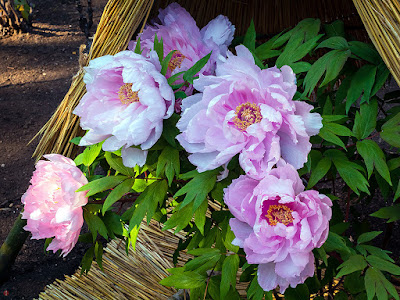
(261,154)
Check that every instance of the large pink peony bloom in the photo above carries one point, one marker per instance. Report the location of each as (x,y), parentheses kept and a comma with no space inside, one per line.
(278,224)
(51,205)
(126,102)
(179,32)
(250,111)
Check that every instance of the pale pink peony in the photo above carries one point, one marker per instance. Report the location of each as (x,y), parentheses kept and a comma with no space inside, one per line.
(179,32)
(51,205)
(126,102)
(250,111)
(278,224)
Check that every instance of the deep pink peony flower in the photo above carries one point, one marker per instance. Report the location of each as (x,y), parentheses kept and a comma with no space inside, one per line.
(51,205)
(126,101)
(179,32)
(278,224)
(250,111)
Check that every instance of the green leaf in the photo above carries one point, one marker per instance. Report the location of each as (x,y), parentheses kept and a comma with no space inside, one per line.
(373,157)
(204,262)
(255,291)
(391,131)
(95,225)
(190,74)
(300,67)
(335,42)
(382,75)
(368,236)
(250,37)
(148,201)
(362,82)
(331,63)
(341,295)
(378,252)
(115,162)
(365,120)
(266,51)
(319,171)
(138,49)
(228,275)
(87,260)
(301,292)
(166,61)
(353,264)
(113,223)
(98,251)
(333,118)
(365,51)
(337,129)
(159,48)
(329,136)
(349,171)
(391,212)
(335,242)
(184,279)
(76,140)
(197,189)
(170,131)
(376,283)
(336,28)
(168,163)
(101,184)
(354,283)
(89,155)
(200,216)
(383,265)
(180,218)
(117,193)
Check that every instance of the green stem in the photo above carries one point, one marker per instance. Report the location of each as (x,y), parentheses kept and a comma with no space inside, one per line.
(11,247)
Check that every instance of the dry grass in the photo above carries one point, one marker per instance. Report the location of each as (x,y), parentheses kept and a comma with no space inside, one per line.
(382,22)
(120,19)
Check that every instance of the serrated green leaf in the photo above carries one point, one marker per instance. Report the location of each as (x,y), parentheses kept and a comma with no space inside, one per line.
(168,163)
(319,171)
(383,265)
(374,279)
(250,37)
(353,264)
(365,120)
(361,83)
(378,252)
(391,131)
(391,212)
(228,275)
(148,201)
(368,236)
(373,157)
(190,74)
(117,193)
(197,189)
(335,42)
(203,263)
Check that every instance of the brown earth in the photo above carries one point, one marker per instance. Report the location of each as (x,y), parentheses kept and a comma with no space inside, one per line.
(35,73)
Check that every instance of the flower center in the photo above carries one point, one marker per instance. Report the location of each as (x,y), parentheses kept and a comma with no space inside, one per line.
(126,95)
(176,60)
(247,114)
(279,214)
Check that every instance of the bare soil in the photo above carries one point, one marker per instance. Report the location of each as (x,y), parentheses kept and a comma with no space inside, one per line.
(36,69)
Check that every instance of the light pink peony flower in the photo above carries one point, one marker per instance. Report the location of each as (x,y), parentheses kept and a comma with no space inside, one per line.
(126,102)
(278,224)
(179,32)
(250,111)
(51,205)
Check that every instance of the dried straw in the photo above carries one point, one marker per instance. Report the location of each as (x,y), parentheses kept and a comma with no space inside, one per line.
(119,21)
(382,21)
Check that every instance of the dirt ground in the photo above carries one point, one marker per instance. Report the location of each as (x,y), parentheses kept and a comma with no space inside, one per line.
(35,73)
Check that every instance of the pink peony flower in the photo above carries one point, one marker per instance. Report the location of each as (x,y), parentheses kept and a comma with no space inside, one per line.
(126,102)
(278,224)
(250,111)
(179,32)
(51,205)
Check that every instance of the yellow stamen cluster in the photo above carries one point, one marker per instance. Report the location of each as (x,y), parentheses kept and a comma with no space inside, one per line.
(176,60)
(126,95)
(246,115)
(279,214)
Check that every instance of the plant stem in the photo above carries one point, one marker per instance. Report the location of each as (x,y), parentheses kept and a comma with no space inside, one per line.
(11,247)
